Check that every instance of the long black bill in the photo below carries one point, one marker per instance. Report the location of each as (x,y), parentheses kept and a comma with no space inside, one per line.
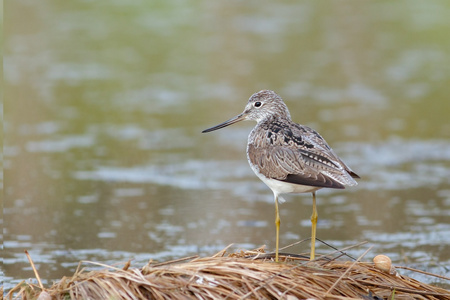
(236,119)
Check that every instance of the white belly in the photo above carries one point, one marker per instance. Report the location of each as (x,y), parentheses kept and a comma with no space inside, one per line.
(280,187)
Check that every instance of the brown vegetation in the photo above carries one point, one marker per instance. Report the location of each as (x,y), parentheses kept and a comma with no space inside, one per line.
(240,275)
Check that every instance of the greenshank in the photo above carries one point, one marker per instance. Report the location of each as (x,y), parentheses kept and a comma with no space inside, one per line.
(289,157)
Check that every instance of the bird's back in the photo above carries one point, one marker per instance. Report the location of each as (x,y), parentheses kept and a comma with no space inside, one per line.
(283,150)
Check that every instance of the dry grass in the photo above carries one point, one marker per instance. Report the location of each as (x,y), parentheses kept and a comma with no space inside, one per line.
(240,275)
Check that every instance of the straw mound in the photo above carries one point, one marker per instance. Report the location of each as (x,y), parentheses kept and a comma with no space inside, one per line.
(236,276)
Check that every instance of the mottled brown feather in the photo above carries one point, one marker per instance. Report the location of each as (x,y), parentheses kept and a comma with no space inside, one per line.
(296,154)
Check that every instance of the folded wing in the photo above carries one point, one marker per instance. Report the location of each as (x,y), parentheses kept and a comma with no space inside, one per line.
(298,155)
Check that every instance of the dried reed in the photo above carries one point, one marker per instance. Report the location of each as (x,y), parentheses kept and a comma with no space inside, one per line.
(240,275)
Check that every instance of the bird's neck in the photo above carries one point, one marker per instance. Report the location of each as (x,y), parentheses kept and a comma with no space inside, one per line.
(274,118)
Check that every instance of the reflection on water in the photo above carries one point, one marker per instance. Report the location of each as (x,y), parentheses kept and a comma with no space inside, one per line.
(104,159)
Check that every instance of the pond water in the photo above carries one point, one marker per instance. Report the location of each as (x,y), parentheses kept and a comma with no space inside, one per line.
(104,159)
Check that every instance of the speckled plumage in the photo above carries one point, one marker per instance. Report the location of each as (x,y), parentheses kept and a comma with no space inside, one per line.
(283,150)
(286,156)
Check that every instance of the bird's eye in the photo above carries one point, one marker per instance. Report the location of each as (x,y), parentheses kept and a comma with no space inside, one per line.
(257,104)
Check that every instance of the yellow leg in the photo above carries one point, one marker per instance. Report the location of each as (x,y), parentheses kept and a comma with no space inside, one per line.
(314,218)
(277,224)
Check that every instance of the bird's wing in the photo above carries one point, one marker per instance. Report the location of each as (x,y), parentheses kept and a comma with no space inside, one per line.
(299,155)
(313,137)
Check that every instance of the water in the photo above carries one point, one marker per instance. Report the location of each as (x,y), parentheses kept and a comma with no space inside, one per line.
(105,102)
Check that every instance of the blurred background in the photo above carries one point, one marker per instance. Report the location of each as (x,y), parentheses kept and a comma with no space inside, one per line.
(105,102)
